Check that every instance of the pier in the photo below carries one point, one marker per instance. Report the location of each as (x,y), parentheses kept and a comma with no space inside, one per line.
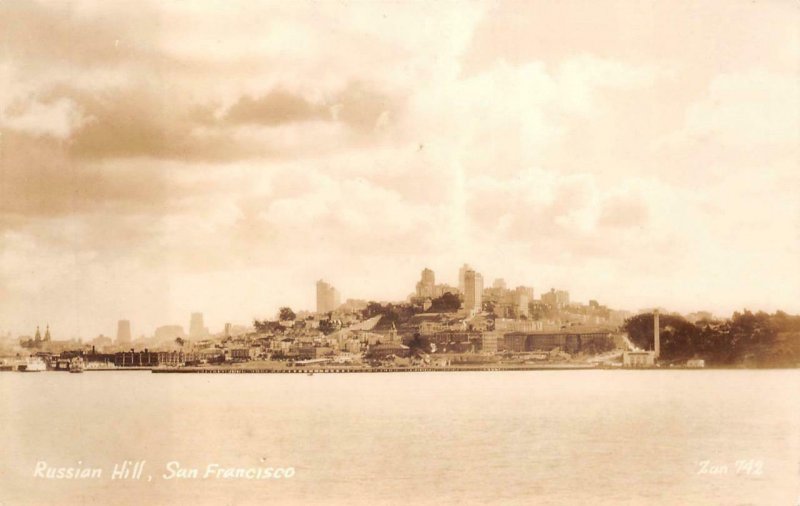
(332,370)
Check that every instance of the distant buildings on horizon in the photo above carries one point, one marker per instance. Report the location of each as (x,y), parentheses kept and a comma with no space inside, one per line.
(506,304)
(328,298)
(123,332)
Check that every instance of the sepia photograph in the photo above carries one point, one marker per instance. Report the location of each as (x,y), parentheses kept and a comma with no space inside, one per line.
(418,252)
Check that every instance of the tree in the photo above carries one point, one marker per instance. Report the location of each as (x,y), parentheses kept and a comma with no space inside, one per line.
(286,314)
(447,303)
(679,338)
(180,341)
(266,326)
(419,344)
(373,309)
(327,326)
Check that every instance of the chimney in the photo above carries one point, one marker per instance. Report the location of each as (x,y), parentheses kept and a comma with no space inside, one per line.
(656,336)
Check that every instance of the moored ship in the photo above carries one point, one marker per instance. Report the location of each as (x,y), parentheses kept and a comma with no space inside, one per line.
(34,364)
(76,365)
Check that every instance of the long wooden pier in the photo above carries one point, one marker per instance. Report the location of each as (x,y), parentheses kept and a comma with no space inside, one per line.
(331,370)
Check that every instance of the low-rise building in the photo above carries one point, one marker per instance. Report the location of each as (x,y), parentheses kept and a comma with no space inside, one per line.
(638,359)
(489,342)
(512,325)
(382,351)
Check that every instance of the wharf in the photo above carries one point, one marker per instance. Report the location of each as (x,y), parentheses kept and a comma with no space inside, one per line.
(331,370)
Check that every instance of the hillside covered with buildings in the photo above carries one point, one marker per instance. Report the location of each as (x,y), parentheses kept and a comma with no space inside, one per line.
(443,325)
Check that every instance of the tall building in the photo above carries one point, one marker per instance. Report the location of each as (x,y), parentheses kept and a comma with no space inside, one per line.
(473,291)
(197,329)
(528,290)
(426,287)
(123,332)
(521,299)
(556,299)
(327,297)
(499,284)
(461,274)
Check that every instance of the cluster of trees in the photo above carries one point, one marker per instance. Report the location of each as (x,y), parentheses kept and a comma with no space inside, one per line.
(267,326)
(328,325)
(447,303)
(286,314)
(392,313)
(761,339)
(419,344)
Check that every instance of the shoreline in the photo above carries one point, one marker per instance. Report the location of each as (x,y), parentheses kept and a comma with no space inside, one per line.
(335,370)
(389,369)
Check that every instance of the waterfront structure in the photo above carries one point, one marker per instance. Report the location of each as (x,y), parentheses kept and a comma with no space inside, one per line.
(570,341)
(638,358)
(123,332)
(696,363)
(383,351)
(327,297)
(473,291)
(489,341)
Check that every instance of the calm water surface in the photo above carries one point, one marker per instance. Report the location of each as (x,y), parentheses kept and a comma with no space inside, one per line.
(544,437)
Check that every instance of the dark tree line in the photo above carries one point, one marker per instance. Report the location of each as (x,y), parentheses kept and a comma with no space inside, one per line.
(746,338)
(447,303)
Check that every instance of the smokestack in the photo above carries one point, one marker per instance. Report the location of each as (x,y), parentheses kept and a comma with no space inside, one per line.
(656,336)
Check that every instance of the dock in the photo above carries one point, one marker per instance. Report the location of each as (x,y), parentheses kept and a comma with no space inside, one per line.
(344,370)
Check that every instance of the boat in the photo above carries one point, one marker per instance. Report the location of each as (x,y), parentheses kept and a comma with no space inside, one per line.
(76,365)
(34,364)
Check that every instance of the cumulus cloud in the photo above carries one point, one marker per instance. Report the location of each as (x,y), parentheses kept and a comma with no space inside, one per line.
(255,148)
(622,211)
(747,110)
(274,108)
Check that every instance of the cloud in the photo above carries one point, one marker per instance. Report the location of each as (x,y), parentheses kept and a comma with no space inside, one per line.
(45,33)
(624,212)
(124,123)
(275,108)
(257,147)
(56,119)
(357,105)
(745,110)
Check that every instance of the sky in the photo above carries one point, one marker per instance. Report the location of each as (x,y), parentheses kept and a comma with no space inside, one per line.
(160,158)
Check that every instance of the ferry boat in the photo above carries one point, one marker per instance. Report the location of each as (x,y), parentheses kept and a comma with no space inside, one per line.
(34,364)
(76,365)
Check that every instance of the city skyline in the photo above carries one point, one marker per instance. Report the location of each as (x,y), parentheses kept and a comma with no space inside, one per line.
(227,162)
(469,283)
